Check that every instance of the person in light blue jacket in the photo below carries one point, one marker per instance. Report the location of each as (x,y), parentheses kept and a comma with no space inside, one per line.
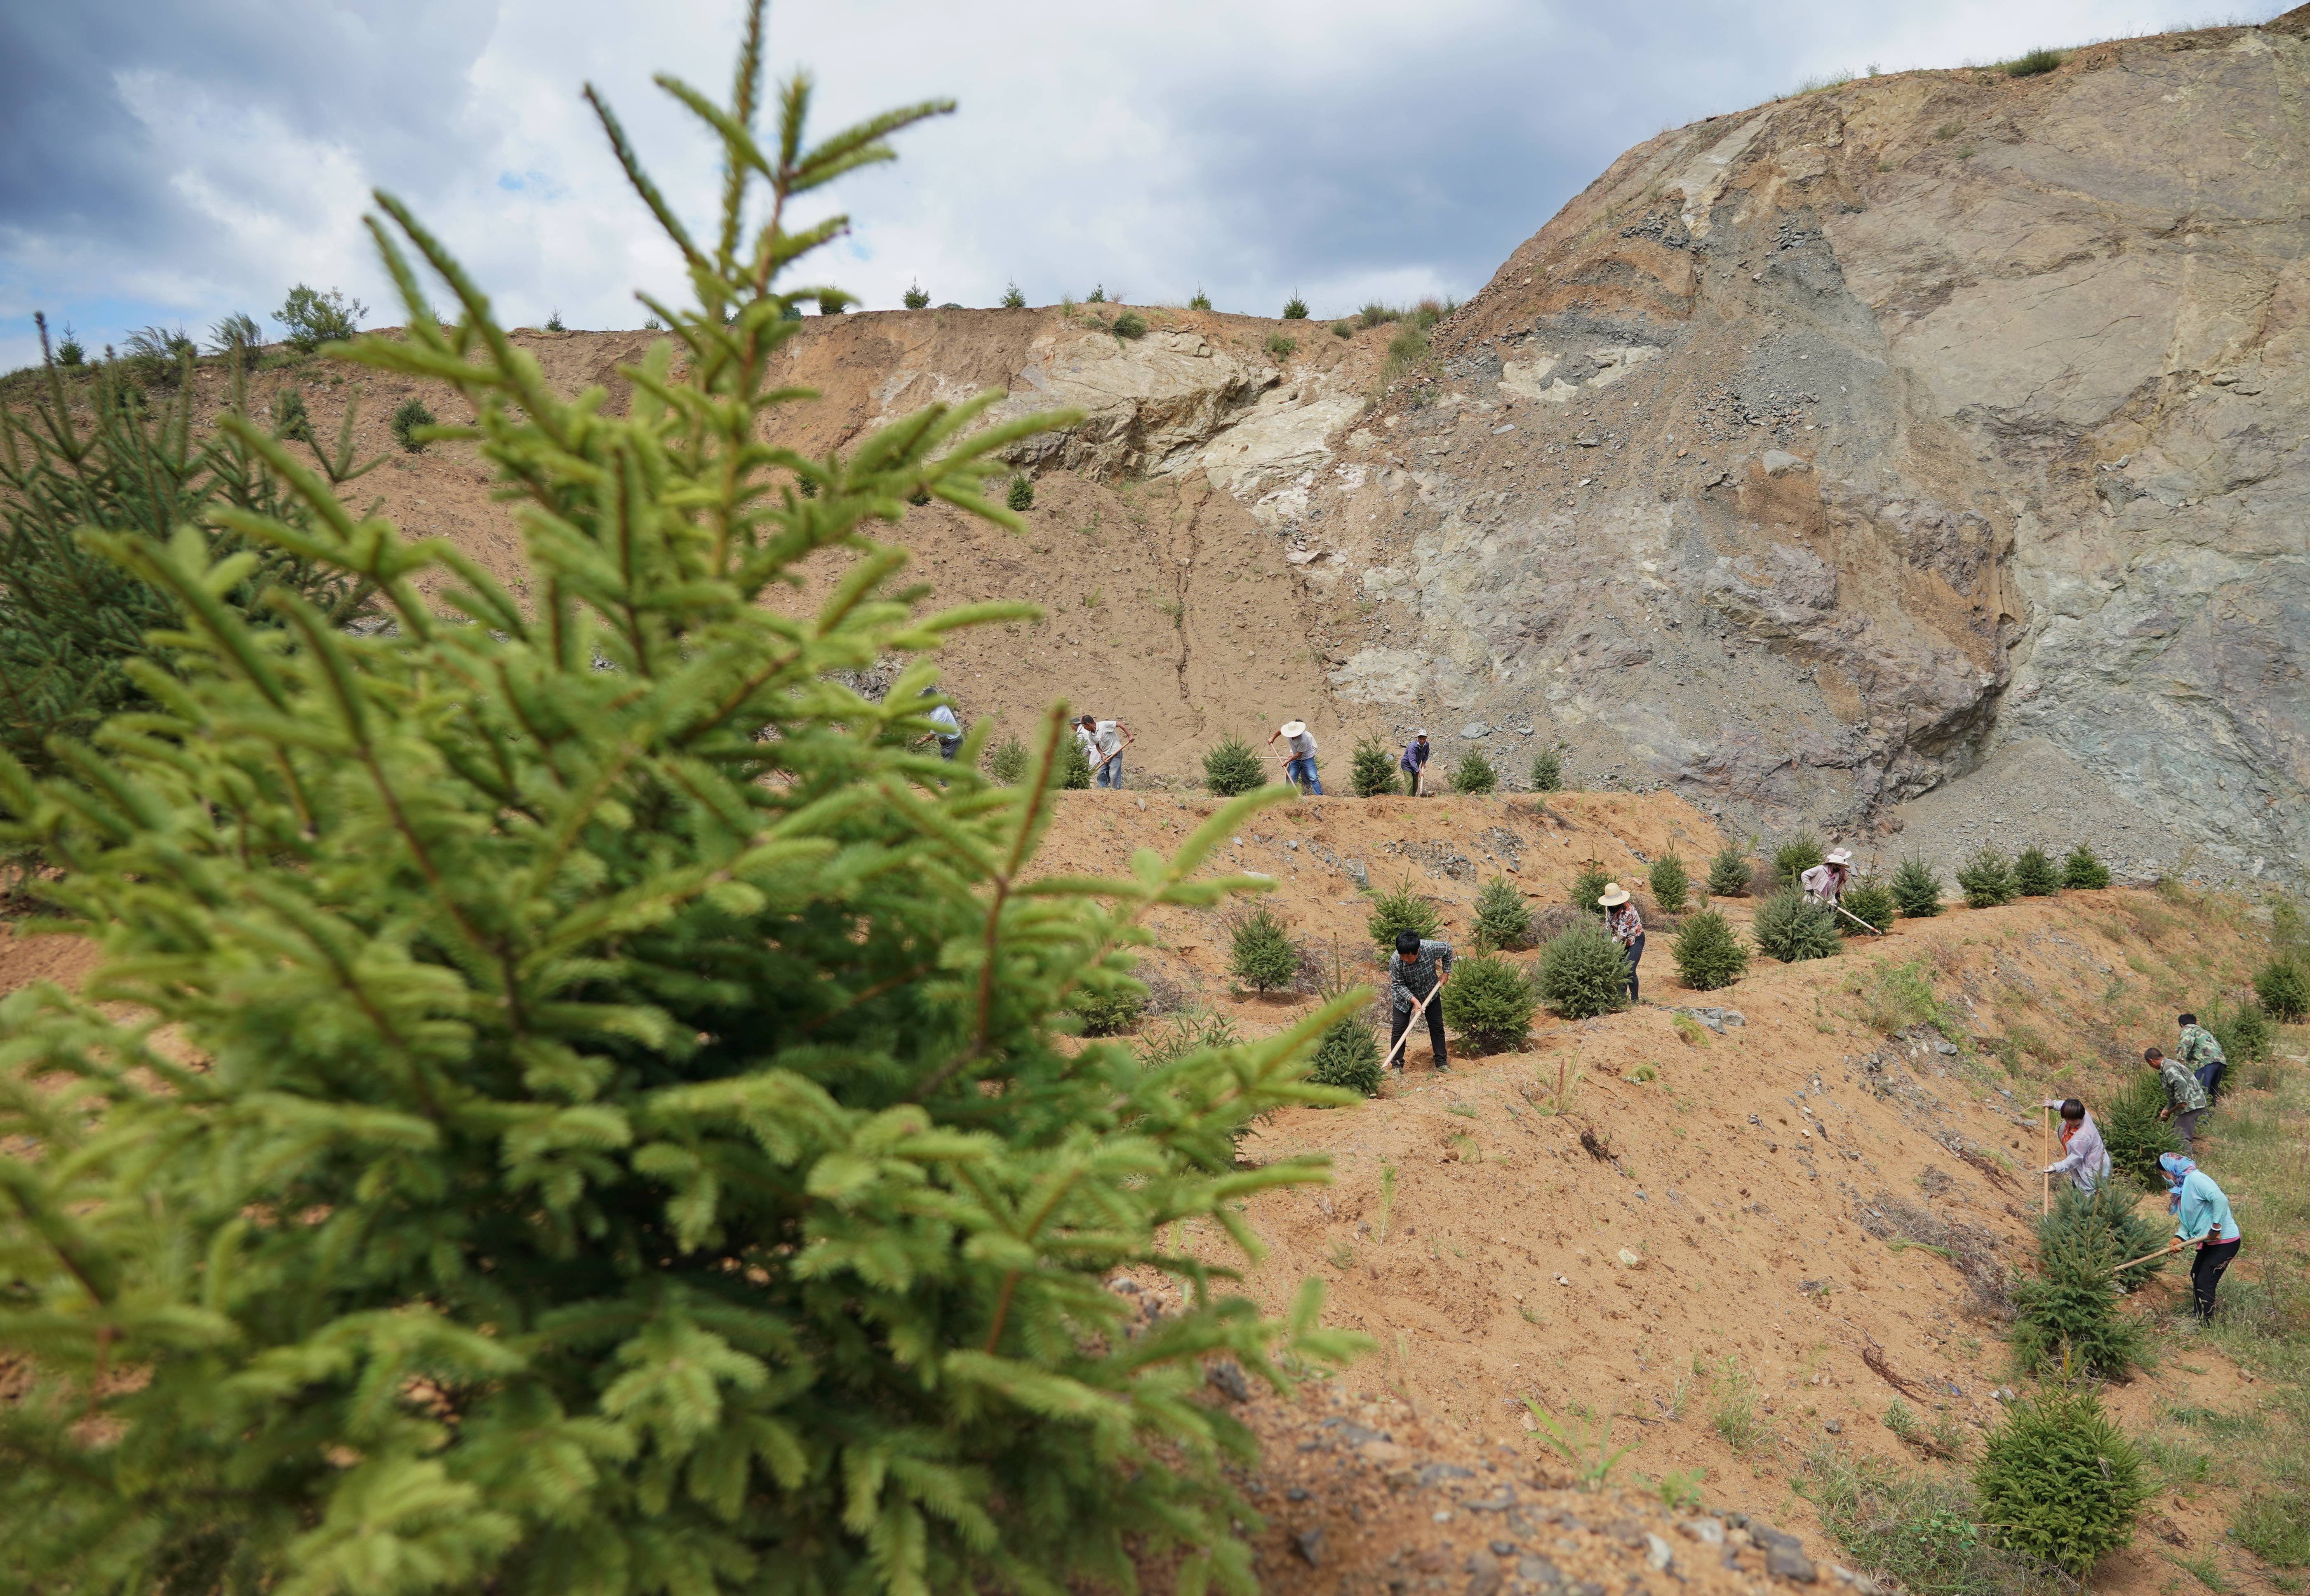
(2201,1214)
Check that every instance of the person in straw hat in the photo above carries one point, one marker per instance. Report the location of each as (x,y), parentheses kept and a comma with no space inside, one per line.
(1626,926)
(1825,882)
(1299,769)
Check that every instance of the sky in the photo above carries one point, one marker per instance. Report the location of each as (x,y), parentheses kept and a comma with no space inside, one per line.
(172,161)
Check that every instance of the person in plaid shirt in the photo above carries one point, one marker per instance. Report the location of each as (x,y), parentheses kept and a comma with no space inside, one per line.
(1626,927)
(1418,970)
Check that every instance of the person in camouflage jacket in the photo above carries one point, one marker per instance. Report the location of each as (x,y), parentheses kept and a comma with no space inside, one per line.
(2201,1053)
(2185,1098)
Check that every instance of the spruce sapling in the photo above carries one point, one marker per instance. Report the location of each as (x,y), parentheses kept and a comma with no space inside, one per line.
(1502,921)
(1013,299)
(1488,1002)
(1870,901)
(1199,300)
(1588,884)
(2133,1134)
(1374,771)
(1728,873)
(1232,769)
(1986,880)
(1916,890)
(2060,1482)
(2082,873)
(636,1139)
(1261,951)
(2035,875)
(1670,884)
(1074,765)
(1295,308)
(1547,771)
(1795,857)
(1021,495)
(1474,774)
(408,416)
(1006,766)
(917,297)
(1581,973)
(1398,910)
(1791,927)
(2283,986)
(1709,955)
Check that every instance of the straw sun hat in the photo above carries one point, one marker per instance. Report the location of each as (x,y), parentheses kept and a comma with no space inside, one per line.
(1615,895)
(1295,728)
(1839,857)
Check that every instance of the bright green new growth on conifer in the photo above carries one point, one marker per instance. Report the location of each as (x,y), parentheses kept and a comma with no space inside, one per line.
(633,1145)
(1373,769)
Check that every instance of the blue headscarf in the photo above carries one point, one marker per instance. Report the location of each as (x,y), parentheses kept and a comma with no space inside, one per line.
(2178,1168)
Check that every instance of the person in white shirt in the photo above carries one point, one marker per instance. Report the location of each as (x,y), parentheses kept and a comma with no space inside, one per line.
(1826,882)
(1103,744)
(949,734)
(2084,1159)
(1299,769)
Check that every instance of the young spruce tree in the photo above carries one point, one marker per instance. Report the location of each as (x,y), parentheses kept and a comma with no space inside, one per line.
(570,1101)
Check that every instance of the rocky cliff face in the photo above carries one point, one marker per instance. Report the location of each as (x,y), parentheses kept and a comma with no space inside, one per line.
(1815,455)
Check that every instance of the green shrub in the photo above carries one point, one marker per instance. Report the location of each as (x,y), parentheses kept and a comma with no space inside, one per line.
(1501,919)
(1488,1002)
(1795,857)
(2283,986)
(2034,62)
(1006,763)
(1868,899)
(634,1142)
(237,339)
(1232,768)
(2082,873)
(1190,1032)
(292,423)
(2274,1525)
(1281,347)
(1547,771)
(1295,308)
(2110,1215)
(916,297)
(70,353)
(1374,771)
(157,356)
(1986,880)
(2060,1482)
(1728,874)
(1340,329)
(1199,300)
(1916,890)
(1012,300)
(1583,973)
(1098,295)
(1262,953)
(1588,884)
(2133,1134)
(2245,1032)
(314,319)
(408,416)
(1668,883)
(1129,325)
(833,301)
(1399,910)
(1474,774)
(94,487)
(553,322)
(1348,1056)
(1709,955)
(1021,495)
(1912,1530)
(1108,1011)
(1074,765)
(1791,927)
(1374,313)
(2035,875)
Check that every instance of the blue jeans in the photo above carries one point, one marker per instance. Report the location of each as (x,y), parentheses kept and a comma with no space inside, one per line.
(1300,772)
(1110,774)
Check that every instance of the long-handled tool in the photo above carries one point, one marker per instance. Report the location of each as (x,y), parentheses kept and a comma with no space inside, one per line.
(1849,915)
(2046,1206)
(2119,1268)
(1111,759)
(1418,1009)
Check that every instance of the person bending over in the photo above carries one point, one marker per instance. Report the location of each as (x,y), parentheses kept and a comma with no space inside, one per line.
(1418,970)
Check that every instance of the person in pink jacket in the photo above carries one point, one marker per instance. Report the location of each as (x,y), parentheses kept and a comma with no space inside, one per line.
(2084,1159)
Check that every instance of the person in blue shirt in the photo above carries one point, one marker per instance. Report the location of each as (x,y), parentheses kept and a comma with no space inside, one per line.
(2201,1214)
(1414,763)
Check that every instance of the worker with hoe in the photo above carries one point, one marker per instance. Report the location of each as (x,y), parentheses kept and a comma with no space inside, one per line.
(1299,769)
(1626,927)
(1414,763)
(2083,1157)
(1416,978)
(2185,1097)
(2202,1055)
(2201,1214)
(949,730)
(1104,742)
(1826,882)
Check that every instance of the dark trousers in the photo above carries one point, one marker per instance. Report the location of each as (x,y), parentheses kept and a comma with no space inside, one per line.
(2185,1126)
(2209,1076)
(2206,1275)
(1636,954)
(1434,1033)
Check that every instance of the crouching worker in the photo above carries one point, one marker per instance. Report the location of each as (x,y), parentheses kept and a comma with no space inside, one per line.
(2083,1159)
(2202,1215)
(1418,970)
